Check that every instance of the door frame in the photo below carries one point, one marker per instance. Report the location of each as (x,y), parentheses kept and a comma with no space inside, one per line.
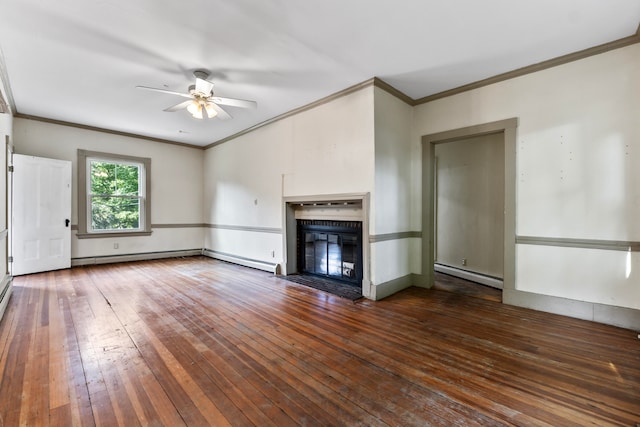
(508,128)
(8,202)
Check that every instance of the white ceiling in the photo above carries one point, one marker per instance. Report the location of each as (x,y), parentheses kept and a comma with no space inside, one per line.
(79,60)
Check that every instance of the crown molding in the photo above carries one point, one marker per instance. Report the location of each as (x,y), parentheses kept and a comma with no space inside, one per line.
(4,107)
(103,130)
(379,83)
(5,88)
(375,81)
(298,110)
(554,62)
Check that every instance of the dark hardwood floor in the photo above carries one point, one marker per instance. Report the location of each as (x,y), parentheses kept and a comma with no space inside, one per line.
(199,342)
(446,282)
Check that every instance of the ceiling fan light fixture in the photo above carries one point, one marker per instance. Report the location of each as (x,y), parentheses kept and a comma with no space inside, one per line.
(197,114)
(201,99)
(195,108)
(211,112)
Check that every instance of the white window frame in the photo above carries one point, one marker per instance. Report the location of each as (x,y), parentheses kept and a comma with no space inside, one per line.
(84,194)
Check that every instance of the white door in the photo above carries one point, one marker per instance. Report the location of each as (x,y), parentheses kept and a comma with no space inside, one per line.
(41,214)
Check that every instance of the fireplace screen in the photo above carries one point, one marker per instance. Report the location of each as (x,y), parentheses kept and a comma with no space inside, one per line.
(331,248)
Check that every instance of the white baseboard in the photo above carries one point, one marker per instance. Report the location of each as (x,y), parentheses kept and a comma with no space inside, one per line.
(385,289)
(623,317)
(109,259)
(247,262)
(468,275)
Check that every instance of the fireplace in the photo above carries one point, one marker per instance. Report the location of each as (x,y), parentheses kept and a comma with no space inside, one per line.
(331,249)
(331,223)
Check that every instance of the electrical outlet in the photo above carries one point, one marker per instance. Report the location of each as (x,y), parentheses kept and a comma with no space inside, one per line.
(464,261)
(116,245)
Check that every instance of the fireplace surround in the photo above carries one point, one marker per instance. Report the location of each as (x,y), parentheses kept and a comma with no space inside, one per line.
(350,208)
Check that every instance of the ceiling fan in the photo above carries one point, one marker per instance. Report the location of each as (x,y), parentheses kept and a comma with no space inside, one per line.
(202,102)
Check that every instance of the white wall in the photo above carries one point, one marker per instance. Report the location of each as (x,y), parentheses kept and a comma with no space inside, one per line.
(578,168)
(395,189)
(321,151)
(176,184)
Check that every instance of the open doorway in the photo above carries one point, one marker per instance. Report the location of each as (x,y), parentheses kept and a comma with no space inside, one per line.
(454,225)
(469,208)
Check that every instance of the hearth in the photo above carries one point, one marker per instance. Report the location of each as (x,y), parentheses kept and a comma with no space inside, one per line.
(331,249)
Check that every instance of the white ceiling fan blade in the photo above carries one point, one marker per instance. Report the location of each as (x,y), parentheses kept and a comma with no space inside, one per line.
(179,106)
(184,95)
(222,115)
(203,86)
(232,102)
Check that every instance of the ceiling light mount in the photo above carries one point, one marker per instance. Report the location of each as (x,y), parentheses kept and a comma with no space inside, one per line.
(201,74)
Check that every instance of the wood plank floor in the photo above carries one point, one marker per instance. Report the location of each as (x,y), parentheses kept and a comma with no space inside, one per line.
(446,282)
(200,342)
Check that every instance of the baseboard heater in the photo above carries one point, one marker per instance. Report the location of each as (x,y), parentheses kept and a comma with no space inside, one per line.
(5,293)
(247,262)
(469,275)
(109,259)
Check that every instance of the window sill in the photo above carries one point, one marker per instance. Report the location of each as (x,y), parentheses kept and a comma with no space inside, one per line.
(113,234)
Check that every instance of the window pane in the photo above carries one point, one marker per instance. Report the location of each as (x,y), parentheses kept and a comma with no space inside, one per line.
(115,213)
(114,178)
(112,195)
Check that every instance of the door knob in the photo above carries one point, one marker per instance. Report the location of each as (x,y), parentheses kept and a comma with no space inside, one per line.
(66,222)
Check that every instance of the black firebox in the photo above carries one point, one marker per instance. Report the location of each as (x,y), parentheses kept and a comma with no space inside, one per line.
(331,249)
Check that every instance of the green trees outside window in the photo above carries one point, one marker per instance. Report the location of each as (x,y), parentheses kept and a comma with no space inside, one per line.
(115,195)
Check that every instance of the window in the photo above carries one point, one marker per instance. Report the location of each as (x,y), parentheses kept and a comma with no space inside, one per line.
(113,195)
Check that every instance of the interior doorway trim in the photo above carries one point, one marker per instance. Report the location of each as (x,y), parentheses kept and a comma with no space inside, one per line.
(508,128)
